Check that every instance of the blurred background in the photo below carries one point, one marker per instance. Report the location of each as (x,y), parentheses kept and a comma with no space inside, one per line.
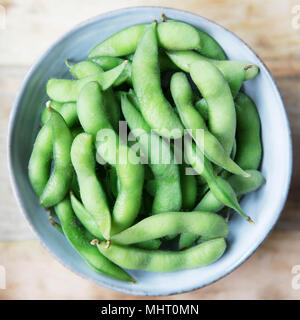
(28,28)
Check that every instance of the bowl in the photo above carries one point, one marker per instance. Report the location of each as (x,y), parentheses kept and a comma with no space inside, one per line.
(264,205)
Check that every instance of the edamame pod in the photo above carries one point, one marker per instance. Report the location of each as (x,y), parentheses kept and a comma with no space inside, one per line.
(218,186)
(80,241)
(167,195)
(239,184)
(183,95)
(215,90)
(83,69)
(235,72)
(91,192)
(164,261)
(85,217)
(177,35)
(249,148)
(40,160)
(91,109)
(130,178)
(206,224)
(66,90)
(154,107)
(121,43)
(61,176)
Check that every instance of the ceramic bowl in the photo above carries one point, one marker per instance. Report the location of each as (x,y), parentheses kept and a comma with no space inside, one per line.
(264,206)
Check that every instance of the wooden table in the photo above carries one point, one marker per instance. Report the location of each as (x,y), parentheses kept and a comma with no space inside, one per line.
(270,27)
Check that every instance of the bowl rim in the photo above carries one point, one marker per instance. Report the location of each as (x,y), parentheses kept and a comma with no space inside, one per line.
(16,192)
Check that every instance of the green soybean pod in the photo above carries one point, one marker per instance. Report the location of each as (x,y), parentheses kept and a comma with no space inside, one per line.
(91,109)
(91,192)
(155,108)
(121,43)
(210,47)
(83,69)
(167,195)
(239,184)
(130,178)
(235,72)
(232,70)
(206,224)
(66,90)
(80,241)
(40,160)
(177,35)
(182,94)
(249,148)
(215,90)
(164,261)
(85,217)
(61,176)
(218,186)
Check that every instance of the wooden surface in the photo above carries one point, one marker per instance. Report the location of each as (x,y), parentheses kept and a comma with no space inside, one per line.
(31,26)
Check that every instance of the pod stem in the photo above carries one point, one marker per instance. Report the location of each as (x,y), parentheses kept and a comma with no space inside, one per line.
(250,220)
(55,224)
(248,67)
(163,17)
(48,104)
(107,244)
(95,242)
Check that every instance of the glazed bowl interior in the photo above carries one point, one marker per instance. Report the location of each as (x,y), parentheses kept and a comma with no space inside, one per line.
(264,206)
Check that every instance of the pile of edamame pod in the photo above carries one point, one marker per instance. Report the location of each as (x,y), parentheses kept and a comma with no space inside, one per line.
(162,77)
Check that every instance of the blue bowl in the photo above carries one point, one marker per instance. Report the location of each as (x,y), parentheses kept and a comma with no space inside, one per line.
(264,205)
